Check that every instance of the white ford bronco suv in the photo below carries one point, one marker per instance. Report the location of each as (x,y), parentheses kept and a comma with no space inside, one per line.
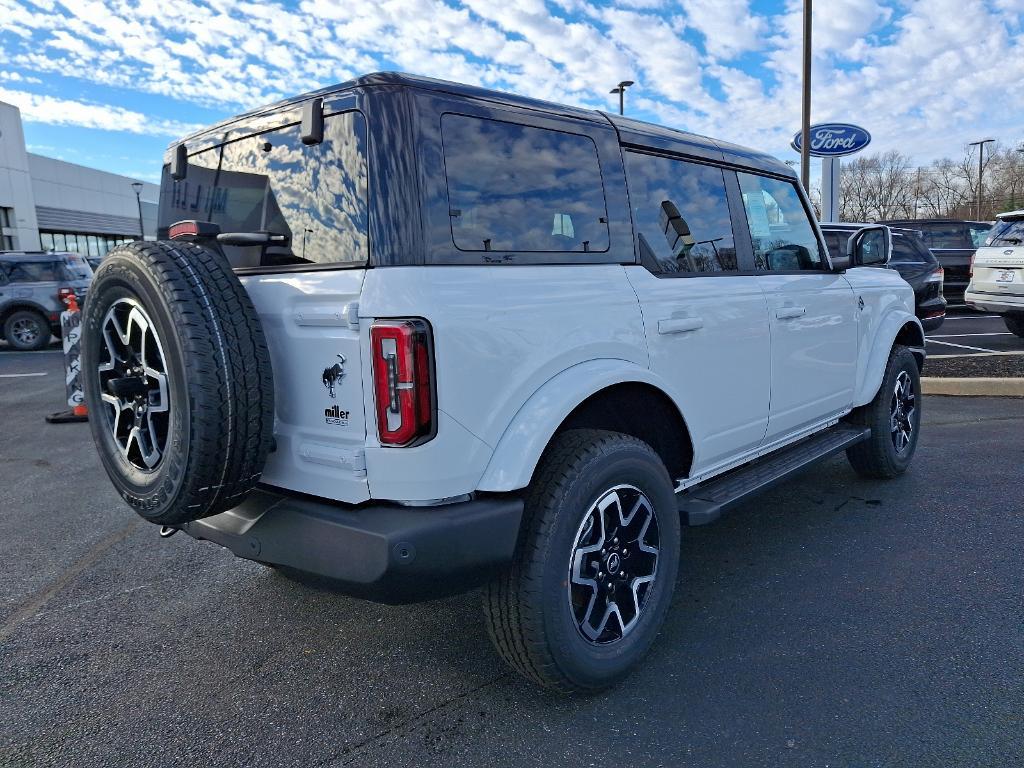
(415,338)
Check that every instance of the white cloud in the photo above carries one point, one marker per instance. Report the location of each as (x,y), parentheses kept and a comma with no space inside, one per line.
(921,75)
(48,109)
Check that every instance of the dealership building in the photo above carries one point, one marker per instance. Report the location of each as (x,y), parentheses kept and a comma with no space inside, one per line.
(51,204)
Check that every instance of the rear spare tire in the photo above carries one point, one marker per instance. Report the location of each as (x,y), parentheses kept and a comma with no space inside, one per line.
(177,379)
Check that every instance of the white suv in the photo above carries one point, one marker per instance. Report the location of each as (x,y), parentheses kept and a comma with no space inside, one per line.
(997,272)
(417,337)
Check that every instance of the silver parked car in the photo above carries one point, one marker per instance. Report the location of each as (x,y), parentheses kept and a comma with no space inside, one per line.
(997,272)
(33,285)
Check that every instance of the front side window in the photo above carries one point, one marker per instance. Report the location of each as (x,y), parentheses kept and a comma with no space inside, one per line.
(782,234)
(315,196)
(681,212)
(514,187)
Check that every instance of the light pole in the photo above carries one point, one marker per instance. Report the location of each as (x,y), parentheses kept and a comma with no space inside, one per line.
(981,156)
(805,107)
(137,186)
(621,90)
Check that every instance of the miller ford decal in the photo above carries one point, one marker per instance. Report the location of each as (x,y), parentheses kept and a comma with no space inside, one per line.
(834,139)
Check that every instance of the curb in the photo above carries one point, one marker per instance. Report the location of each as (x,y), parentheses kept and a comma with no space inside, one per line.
(973,387)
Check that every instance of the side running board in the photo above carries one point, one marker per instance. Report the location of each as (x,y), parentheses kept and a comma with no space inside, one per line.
(705,503)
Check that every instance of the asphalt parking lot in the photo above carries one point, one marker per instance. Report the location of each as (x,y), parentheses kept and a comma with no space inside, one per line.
(834,622)
(973,344)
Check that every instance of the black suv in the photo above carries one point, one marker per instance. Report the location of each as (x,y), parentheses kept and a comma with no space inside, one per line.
(912,259)
(953,241)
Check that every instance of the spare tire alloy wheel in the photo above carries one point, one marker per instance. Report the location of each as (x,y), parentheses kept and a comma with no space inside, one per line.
(176,372)
(614,564)
(133,384)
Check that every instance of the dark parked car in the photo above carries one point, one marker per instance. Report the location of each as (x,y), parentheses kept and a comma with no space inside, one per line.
(33,285)
(912,259)
(953,242)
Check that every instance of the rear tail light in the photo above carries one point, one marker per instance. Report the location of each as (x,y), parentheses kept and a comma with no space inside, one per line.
(403,381)
(63,294)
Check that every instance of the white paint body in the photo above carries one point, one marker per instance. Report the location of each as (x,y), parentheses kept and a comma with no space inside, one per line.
(751,362)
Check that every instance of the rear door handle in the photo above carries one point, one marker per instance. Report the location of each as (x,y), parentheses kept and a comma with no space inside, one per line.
(788,313)
(680,325)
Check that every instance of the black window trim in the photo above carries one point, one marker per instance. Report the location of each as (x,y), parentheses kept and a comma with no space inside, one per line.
(744,248)
(516,252)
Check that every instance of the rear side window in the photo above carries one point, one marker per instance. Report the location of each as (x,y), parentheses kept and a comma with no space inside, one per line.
(909,250)
(316,196)
(780,229)
(520,188)
(681,211)
(35,271)
(1007,233)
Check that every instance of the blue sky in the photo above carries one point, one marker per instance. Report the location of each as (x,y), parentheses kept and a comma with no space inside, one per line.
(109,83)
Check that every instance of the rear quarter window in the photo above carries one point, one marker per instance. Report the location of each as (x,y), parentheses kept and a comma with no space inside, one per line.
(515,187)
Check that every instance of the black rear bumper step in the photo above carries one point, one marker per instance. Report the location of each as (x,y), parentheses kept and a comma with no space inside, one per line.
(705,503)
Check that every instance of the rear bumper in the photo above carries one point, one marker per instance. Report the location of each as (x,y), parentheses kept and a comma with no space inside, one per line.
(995,302)
(382,552)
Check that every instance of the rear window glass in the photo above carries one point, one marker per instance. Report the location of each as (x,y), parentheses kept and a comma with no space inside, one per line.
(1007,233)
(315,196)
(945,234)
(35,271)
(518,188)
(836,241)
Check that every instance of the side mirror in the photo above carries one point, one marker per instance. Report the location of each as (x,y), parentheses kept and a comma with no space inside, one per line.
(869,247)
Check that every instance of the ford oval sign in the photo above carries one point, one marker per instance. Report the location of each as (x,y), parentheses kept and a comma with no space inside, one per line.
(835,139)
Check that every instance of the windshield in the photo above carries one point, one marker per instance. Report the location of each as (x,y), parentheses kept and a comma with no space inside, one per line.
(1007,233)
(978,233)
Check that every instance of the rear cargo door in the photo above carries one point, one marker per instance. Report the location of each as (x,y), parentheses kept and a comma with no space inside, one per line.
(320,430)
(999,270)
(311,198)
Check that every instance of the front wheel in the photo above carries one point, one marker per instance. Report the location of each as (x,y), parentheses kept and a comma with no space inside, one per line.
(595,567)
(1015,324)
(894,418)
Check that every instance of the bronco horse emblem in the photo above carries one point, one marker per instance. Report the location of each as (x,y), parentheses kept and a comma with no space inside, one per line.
(334,375)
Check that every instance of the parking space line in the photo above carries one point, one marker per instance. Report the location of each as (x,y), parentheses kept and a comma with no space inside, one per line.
(961,346)
(962,335)
(971,317)
(977,354)
(20,375)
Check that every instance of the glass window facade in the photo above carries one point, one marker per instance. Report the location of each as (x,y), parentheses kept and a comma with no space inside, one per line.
(84,244)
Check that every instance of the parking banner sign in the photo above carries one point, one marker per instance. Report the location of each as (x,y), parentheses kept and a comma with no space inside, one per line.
(71,333)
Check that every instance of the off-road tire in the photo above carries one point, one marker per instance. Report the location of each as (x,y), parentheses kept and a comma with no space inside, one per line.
(43,334)
(221,388)
(526,608)
(877,457)
(1014,324)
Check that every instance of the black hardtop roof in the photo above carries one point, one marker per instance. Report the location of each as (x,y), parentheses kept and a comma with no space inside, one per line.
(636,132)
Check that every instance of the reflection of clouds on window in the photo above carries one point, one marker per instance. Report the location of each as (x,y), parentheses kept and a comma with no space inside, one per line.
(514,187)
(700,238)
(317,195)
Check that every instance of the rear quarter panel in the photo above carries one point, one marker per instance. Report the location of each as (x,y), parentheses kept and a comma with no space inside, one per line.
(500,333)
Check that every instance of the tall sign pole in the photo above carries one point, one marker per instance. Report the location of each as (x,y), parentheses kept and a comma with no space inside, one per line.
(805,113)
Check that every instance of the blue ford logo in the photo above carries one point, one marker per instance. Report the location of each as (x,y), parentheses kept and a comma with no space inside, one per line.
(835,139)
